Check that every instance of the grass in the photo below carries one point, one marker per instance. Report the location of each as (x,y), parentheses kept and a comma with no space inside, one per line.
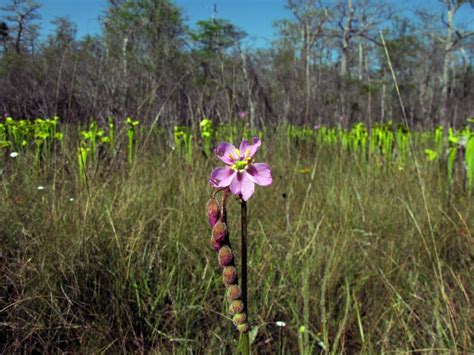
(368,259)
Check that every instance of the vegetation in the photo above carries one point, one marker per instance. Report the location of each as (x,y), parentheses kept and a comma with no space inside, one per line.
(326,62)
(354,252)
(362,243)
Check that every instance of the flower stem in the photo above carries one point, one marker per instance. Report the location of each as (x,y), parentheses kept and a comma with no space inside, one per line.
(243,212)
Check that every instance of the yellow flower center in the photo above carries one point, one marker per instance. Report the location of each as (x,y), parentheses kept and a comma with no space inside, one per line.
(240,164)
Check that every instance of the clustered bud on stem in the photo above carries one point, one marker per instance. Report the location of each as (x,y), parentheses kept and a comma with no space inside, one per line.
(221,244)
(213,211)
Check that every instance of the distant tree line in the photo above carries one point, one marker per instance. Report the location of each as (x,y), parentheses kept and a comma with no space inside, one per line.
(328,64)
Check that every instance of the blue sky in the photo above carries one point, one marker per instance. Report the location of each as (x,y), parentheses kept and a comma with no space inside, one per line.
(254,16)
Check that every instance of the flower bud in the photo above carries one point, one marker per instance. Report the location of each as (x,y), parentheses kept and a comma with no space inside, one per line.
(215,245)
(239,318)
(235,307)
(233,292)
(229,275)
(213,211)
(218,232)
(243,328)
(225,256)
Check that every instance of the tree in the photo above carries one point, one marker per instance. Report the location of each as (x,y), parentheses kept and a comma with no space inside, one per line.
(4,34)
(22,18)
(143,40)
(64,33)
(214,36)
(4,30)
(59,52)
(450,41)
(311,18)
(453,41)
(357,20)
(213,64)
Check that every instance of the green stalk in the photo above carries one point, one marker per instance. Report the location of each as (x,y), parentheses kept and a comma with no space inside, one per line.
(244,234)
(131,135)
(470,164)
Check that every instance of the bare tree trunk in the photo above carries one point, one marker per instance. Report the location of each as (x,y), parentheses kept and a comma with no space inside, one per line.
(249,92)
(225,90)
(307,72)
(369,96)
(345,40)
(382,102)
(125,71)
(447,62)
(58,83)
(19,34)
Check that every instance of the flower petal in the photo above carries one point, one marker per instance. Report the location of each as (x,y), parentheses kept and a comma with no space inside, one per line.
(243,146)
(222,177)
(242,186)
(252,148)
(260,173)
(226,153)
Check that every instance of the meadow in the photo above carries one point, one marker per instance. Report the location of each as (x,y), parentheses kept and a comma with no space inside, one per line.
(363,243)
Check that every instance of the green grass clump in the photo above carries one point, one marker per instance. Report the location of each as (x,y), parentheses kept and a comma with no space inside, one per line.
(351,256)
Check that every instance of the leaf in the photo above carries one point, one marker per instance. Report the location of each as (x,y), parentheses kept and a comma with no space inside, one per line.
(253,334)
(430,154)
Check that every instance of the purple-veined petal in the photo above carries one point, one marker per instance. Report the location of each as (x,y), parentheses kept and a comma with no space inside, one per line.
(222,177)
(260,173)
(242,186)
(226,152)
(243,146)
(252,148)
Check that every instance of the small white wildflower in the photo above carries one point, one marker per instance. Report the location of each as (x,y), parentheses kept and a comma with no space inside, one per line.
(280,323)
(40,187)
(71,199)
(13,154)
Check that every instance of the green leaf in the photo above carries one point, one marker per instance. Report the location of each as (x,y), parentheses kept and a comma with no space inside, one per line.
(253,334)
(430,154)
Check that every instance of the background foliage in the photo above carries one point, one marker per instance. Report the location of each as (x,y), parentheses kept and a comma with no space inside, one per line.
(326,63)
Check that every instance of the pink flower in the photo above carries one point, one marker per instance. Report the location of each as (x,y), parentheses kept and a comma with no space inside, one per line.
(240,173)
(242,114)
(317,126)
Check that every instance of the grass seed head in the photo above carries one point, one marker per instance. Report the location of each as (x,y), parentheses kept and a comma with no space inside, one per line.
(235,307)
(229,275)
(233,292)
(225,256)
(213,211)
